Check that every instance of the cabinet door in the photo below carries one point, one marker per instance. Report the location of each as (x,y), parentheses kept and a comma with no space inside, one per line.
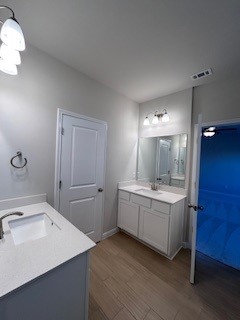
(128,216)
(154,228)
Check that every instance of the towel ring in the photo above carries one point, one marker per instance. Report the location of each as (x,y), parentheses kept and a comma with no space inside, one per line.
(19,154)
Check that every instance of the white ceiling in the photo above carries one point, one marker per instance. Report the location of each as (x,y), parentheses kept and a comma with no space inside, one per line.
(141,48)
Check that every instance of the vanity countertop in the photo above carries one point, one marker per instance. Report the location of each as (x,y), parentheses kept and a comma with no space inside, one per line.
(164,196)
(20,264)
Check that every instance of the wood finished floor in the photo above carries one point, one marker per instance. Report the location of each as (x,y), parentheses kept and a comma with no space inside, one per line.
(129,281)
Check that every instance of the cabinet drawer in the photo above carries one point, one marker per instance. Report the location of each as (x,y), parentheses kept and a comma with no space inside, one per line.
(145,202)
(124,195)
(161,206)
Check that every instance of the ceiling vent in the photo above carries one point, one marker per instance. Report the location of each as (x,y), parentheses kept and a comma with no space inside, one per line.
(202,74)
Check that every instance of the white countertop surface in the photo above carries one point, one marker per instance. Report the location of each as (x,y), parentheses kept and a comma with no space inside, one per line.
(168,197)
(22,263)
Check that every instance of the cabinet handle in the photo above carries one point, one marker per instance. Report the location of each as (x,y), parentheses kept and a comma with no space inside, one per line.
(100,190)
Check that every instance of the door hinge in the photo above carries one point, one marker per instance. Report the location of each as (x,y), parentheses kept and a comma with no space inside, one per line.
(62,131)
(60,185)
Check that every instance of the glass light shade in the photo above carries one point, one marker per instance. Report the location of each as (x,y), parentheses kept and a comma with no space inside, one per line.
(165,117)
(209,133)
(146,122)
(8,67)
(12,35)
(155,119)
(10,55)
(211,128)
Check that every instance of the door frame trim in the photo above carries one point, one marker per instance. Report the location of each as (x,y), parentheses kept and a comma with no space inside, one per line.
(58,151)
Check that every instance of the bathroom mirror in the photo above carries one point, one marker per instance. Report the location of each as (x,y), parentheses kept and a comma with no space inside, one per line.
(163,160)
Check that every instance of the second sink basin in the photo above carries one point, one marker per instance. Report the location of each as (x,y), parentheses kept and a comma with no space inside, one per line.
(148,192)
(31,228)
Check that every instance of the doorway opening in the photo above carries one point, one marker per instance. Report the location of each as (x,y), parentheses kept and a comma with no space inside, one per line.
(218,225)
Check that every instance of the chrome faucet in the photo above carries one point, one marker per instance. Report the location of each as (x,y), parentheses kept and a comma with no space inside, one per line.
(154,186)
(16,213)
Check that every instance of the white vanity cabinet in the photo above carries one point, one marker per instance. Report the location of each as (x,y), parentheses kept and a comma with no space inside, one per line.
(156,223)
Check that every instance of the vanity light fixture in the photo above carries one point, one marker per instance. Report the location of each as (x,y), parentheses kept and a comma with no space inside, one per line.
(155,119)
(163,116)
(8,67)
(13,41)
(146,121)
(9,54)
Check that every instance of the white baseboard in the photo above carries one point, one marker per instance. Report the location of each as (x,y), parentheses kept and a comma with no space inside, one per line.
(109,233)
(186,245)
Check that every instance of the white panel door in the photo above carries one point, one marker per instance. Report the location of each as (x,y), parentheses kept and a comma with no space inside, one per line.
(82,166)
(154,228)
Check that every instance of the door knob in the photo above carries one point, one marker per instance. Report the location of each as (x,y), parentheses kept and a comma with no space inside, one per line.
(195,208)
(100,190)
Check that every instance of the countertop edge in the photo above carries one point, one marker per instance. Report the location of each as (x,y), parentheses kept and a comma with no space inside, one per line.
(5,295)
(76,251)
(127,189)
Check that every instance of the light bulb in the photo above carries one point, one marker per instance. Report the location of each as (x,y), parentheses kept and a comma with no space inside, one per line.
(165,117)
(8,67)
(10,55)
(12,35)
(146,122)
(155,119)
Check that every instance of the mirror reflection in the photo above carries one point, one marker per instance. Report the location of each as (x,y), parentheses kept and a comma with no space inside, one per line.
(163,160)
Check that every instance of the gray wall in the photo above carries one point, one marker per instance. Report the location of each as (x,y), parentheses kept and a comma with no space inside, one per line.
(217,101)
(179,107)
(28,113)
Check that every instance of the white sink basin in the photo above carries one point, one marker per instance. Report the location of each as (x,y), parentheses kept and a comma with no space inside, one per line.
(31,228)
(148,192)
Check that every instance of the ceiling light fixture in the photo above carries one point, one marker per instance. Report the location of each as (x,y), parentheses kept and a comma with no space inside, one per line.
(209,132)
(163,116)
(13,41)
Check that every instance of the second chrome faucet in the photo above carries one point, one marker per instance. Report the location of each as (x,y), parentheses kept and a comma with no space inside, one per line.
(16,213)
